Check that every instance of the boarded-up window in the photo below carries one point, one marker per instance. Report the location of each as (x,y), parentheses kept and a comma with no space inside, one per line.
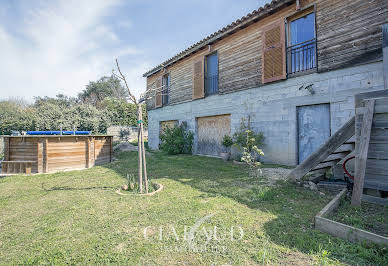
(158,93)
(274,53)
(198,81)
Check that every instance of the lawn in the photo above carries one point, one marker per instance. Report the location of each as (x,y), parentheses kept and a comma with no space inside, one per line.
(77,218)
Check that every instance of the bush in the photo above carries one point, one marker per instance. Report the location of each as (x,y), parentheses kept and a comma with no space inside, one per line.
(177,140)
(245,132)
(227,141)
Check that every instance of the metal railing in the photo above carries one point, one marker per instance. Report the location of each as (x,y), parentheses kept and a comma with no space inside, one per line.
(301,57)
(211,84)
(165,94)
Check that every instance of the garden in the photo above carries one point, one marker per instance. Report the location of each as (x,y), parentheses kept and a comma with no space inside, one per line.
(208,212)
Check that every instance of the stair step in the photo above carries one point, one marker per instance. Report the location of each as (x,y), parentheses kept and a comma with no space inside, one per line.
(336,156)
(352,140)
(347,157)
(345,148)
(325,165)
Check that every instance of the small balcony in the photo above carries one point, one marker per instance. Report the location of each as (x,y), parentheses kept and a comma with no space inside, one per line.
(301,58)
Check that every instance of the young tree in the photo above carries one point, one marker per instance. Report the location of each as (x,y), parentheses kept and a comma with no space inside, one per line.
(142,165)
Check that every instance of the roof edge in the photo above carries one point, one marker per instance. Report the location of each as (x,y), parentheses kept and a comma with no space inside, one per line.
(235,26)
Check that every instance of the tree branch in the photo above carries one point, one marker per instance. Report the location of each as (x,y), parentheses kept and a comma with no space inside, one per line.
(132,97)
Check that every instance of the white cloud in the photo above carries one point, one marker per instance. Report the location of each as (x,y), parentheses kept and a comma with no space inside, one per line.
(59,48)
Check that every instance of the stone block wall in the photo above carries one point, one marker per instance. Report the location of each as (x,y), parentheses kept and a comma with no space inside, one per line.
(272,108)
(124,133)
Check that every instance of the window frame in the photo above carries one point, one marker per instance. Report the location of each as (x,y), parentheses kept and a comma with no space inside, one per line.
(205,73)
(166,89)
(309,9)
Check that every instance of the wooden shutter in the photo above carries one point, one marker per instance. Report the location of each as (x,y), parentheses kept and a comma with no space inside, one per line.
(158,94)
(198,80)
(274,52)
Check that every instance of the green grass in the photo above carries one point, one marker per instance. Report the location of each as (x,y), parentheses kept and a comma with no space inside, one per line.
(77,218)
(370,217)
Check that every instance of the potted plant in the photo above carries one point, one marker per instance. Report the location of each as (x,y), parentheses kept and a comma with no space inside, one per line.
(227,142)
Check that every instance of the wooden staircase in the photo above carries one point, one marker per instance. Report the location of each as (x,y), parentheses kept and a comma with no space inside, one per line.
(332,153)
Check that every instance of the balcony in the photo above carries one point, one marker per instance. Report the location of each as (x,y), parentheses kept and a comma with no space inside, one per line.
(301,58)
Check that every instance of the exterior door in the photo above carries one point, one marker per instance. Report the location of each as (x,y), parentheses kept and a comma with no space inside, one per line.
(211,131)
(313,128)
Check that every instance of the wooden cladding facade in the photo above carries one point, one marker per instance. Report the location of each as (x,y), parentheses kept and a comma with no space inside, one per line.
(348,33)
(55,153)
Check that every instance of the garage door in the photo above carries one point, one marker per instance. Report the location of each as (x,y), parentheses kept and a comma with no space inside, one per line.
(211,130)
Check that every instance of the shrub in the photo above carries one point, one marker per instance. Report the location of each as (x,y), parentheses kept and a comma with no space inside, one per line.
(227,141)
(177,140)
(245,132)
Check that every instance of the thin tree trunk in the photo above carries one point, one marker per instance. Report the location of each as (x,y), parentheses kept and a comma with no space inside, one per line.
(139,149)
(144,151)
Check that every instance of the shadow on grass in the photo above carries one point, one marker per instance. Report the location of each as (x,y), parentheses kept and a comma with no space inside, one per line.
(64,188)
(293,206)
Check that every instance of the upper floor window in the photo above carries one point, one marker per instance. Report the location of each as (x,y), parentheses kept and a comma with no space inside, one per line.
(165,88)
(301,50)
(211,74)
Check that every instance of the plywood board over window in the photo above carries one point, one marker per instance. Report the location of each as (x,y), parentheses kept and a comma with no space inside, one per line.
(211,130)
(274,52)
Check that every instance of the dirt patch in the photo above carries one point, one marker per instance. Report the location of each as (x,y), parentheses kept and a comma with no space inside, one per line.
(272,175)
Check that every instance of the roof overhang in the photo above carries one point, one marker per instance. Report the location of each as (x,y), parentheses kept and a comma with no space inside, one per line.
(237,25)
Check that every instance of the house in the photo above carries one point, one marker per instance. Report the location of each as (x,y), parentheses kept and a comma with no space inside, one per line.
(292,67)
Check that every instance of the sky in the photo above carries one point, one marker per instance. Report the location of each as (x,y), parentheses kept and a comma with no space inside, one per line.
(52,47)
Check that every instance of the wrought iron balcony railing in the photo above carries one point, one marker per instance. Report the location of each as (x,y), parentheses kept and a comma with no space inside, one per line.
(211,84)
(165,94)
(301,57)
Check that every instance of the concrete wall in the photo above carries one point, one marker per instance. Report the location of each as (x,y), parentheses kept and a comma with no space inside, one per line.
(123,133)
(273,107)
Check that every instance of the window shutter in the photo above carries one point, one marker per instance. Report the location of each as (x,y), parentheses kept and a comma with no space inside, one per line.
(274,52)
(198,81)
(158,94)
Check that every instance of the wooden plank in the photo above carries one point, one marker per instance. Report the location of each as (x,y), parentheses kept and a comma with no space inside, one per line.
(333,204)
(375,181)
(375,200)
(87,143)
(347,232)
(353,153)
(359,98)
(344,148)
(45,156)
(325,165)
(333,143)
(362,153)
(335,157)
(378,151)
(377,167)
(40,156)
(385,54)
(6,148)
